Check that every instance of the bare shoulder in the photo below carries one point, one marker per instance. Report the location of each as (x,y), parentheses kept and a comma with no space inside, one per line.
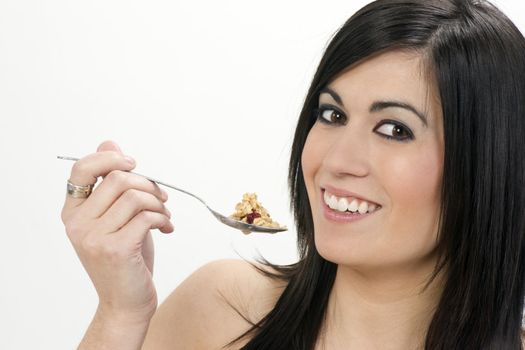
(213,306)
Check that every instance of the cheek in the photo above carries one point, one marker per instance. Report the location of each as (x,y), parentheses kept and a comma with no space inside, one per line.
(414,178)
(413,183)
(311,157)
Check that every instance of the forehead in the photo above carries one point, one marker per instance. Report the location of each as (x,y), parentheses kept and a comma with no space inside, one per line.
(393,75)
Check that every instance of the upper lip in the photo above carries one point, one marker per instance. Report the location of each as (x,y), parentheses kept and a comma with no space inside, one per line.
(344,193)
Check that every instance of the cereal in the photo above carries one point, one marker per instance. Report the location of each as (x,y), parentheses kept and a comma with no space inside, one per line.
(249,210)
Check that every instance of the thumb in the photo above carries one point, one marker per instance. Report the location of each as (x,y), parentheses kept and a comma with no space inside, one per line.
(108,146)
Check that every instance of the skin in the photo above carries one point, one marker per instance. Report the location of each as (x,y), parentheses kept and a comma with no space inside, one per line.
(385,259)
(377,301)
(111,233)
(382,261)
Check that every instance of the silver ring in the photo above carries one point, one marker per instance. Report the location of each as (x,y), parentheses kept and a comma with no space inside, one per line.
(77,191)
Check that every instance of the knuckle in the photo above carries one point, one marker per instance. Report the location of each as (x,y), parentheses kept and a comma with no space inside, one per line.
(79,167)
(147,216)
(153,220)
(115,156)
(134,195)
(116,176)
(99,248)
(90,244)
(118,160)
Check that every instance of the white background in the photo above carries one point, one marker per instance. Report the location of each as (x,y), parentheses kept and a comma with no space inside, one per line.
(203,94)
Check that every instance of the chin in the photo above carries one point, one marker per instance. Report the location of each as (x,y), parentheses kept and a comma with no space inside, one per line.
(341,247)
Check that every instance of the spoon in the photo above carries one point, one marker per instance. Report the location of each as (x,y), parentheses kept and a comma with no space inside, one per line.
(240,225)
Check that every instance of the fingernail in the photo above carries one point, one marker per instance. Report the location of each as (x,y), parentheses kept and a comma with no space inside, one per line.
(129,160)
(164,195)
(168,213)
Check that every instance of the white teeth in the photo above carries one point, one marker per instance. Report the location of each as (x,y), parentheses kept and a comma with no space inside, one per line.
(342,205)
(363,207)
(353,206)
(332,202)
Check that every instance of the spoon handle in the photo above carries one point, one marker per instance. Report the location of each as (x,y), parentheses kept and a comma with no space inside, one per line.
(149,178)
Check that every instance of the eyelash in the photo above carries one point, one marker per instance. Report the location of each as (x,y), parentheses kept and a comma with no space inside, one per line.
(318,112)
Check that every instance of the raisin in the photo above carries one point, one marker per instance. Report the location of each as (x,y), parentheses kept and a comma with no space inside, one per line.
(252,216)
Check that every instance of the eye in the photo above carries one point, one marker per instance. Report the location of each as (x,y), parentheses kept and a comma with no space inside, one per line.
(395,130)
(330,115)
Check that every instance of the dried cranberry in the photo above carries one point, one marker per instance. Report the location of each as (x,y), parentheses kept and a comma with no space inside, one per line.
(252,216)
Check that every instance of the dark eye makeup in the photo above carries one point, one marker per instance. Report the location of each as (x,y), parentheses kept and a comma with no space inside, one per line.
(333,116)
(329,114)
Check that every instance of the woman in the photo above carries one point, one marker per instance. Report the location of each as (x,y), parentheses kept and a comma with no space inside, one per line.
(407,183)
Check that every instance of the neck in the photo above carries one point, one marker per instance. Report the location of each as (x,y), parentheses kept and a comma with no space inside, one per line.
(381,308)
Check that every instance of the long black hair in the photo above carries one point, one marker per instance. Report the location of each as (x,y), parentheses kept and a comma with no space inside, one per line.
(477,58)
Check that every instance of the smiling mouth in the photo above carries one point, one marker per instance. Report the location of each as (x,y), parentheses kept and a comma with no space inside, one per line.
(348,205)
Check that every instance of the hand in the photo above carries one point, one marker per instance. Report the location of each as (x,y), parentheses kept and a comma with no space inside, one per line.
(110,231)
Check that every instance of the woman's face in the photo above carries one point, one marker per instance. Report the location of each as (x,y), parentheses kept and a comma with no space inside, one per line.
(377,142)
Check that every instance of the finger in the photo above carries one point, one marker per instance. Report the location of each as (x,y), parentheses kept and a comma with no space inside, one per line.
(136,230)
(127,206)
(86,171)
(109,146)
(114,185)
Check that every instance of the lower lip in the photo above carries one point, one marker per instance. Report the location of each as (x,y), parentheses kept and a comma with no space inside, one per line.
(337,216)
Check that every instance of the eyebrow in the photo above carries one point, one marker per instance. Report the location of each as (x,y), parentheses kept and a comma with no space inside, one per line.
(380,105)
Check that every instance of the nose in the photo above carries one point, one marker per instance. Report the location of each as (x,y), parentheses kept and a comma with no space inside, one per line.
(348,153)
